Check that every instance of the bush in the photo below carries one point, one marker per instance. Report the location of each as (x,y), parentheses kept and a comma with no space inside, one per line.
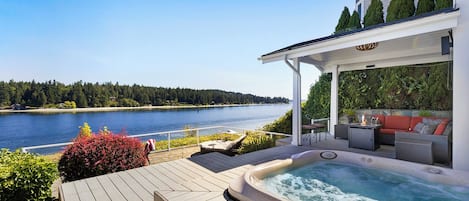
(127,102)
(100,154)
(374,14)
(24,176)
(255,142)
(68,105)
(85,131)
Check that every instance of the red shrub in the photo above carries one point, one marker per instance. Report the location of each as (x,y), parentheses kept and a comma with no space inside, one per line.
(100,154)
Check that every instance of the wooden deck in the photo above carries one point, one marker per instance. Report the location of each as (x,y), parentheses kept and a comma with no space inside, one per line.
(202,177)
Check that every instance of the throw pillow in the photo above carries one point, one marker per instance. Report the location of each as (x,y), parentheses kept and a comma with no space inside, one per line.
(448,129)
(418,127)
(428,129)
(441,128)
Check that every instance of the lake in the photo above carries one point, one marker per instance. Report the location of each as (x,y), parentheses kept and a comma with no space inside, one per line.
(30,129)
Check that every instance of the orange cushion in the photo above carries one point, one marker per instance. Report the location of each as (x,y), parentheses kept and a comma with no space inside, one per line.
(397,122)
(441,127)
(414,121)
(388,131)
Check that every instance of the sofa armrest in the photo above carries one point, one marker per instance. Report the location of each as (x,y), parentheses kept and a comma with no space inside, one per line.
(419,136)
(441,144)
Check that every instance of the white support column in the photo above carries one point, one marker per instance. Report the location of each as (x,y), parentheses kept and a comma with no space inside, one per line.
(334,99)
(460,92)
(296,120)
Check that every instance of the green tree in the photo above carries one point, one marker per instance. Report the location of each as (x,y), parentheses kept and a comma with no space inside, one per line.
(354,22)
(319,98)
(400,9)
(4,94)
(441,4)
(343,21)
(425,6)
(374,14)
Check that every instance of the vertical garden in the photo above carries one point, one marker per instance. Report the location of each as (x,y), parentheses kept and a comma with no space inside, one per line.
(418,87)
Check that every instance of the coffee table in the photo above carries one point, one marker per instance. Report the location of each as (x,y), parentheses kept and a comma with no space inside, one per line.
(364,136)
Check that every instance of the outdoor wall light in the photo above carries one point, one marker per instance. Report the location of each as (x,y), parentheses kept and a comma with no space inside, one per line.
(366,47)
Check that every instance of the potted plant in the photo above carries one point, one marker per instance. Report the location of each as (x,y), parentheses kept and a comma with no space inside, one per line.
(425,113)
(350,113)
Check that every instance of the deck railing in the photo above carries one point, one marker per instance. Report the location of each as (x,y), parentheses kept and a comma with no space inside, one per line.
(165,135)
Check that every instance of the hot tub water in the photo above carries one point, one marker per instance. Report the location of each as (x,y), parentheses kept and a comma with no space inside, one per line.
(331,180)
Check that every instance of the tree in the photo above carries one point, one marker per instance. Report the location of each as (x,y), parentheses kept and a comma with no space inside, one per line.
(343,21)
(354,22)
(374,14)
(4,94)
(441,4)
(425,6)
(400,9)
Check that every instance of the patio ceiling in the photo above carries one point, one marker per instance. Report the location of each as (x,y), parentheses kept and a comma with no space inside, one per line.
(411,41)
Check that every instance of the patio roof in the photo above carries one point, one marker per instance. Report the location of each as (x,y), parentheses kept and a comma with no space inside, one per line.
(407,41)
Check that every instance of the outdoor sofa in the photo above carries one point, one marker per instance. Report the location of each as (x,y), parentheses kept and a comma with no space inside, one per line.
(392,123)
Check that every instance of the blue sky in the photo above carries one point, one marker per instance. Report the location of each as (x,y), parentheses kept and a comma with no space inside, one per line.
(193,44)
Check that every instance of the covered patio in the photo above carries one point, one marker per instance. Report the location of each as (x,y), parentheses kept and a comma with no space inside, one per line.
(432,37)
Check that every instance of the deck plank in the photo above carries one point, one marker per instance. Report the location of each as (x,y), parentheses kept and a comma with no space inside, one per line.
(171,183)
(175,170)
(194,187)
(218,198)
(152,179)
(195,196)
(110,189)
(196,167)
(84,193)
(207,185)
(69,192)
(168,173)
(144,182)
(97,190)
(139,189)
(125,190)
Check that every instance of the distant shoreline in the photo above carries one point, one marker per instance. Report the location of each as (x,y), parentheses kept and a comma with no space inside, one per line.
(112,109)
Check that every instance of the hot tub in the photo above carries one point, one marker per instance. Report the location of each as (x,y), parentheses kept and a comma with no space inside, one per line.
(338,175)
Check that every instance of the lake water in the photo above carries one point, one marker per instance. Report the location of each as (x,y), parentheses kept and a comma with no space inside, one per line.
(30,129)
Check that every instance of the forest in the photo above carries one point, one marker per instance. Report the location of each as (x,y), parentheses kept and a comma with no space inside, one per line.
(52,94)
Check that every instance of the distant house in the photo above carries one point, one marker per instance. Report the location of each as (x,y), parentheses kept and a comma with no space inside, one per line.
(18,107)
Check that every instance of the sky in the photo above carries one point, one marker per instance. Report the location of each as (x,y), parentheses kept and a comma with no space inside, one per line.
(209,44)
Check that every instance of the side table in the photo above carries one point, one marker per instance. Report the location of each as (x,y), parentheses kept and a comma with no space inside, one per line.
(364,136)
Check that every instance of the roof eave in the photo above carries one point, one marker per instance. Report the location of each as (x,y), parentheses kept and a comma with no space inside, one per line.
(408,28)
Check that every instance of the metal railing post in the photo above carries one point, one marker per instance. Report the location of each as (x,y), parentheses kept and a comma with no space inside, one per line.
(197,135)
(169,141)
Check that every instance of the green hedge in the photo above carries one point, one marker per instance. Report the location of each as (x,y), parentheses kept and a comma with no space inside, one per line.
(256,141)
(185,141)
(422,87)
(25,176)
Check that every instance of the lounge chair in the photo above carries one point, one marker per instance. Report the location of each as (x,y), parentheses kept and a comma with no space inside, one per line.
(224,147)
